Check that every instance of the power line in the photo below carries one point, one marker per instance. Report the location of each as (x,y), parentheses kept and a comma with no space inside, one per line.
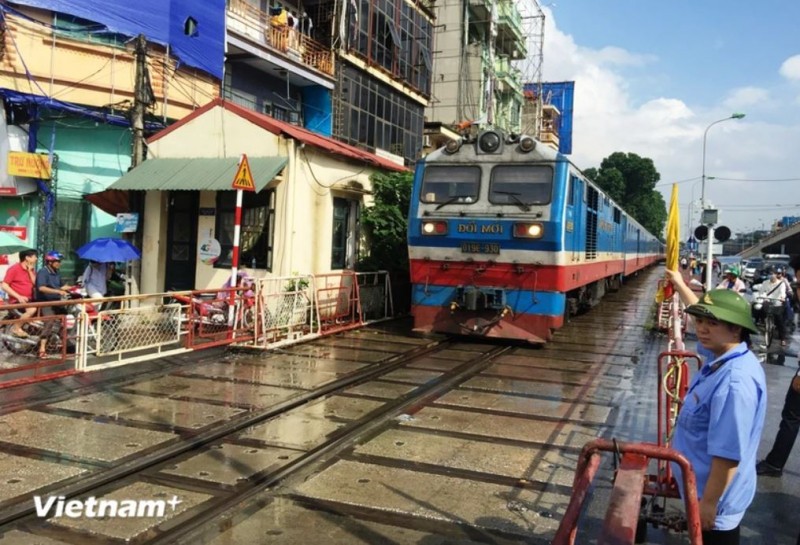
(661,184)
(753,179)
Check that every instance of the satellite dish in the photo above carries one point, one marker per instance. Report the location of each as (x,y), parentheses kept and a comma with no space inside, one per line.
(701,233)
(722,233)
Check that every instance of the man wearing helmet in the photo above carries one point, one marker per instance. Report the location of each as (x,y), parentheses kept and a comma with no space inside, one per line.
(732,281)
(719,425)
(49,287)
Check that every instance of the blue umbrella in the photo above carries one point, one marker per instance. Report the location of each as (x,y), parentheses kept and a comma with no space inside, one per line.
(109,250)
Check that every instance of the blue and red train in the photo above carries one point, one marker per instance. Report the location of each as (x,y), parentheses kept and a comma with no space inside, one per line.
(507,239)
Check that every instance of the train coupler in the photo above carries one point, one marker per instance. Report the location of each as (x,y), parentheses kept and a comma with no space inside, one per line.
(474,298)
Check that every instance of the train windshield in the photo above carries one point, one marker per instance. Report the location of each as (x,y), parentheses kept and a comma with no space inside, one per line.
(450,184)
(521,184)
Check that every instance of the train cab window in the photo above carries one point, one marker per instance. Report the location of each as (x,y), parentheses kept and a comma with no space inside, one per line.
(521,184)
(451,184)
(574,186)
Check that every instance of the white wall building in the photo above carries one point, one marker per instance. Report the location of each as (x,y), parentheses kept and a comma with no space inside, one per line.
(303,218)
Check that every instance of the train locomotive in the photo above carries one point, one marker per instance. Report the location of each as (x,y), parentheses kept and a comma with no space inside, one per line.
(508,239)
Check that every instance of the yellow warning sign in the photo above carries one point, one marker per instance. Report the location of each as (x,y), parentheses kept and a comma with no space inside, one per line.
(244,176)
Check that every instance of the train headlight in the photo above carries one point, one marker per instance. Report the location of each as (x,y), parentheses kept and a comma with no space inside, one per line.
(526,144)
(490,142)
(434,227)
(528,230)
(452,146)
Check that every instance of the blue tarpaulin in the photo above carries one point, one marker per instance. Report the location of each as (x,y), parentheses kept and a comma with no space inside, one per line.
(161,21)
(36,101)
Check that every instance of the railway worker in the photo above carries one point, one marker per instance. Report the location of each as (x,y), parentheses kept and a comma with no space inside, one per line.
(772,465)
(732,281)
(719,425)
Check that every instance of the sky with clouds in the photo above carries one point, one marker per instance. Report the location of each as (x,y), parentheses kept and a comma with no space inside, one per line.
(650,77)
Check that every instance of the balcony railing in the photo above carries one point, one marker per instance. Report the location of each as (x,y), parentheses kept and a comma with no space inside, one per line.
(510,19)
(256,26)
(508,74)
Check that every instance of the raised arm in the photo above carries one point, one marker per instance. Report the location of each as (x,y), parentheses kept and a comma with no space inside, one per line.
(685,292)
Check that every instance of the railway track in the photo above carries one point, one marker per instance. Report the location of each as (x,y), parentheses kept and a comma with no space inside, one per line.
(374,434)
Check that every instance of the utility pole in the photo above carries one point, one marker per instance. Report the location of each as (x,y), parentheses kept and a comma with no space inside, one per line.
(142,98)
(490,83)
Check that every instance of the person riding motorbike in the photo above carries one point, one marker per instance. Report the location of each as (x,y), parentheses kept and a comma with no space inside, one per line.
(773,290)
(732,281)
(49,287)
(788,313)
(19,284)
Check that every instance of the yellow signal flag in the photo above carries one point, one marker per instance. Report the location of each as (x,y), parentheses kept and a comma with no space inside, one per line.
(673,231)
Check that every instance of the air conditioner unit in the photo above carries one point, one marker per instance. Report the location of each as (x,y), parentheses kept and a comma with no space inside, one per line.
(426,141)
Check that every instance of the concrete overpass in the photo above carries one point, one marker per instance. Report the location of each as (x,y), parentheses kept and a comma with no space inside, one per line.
(785,241)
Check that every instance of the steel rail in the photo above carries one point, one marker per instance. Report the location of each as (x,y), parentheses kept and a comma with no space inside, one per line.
(22,509)
(370,424)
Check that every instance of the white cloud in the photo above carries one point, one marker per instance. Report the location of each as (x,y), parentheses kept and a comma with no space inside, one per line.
(670,130)
(616,56)
(746,96)
(790,69)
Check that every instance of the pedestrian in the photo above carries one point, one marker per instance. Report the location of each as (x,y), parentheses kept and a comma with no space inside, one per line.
(49,287)
(95,279)
(307,25)
(772,465)
(720,422)
(19,284)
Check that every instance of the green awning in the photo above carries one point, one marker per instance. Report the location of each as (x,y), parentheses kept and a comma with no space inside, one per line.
(197,173)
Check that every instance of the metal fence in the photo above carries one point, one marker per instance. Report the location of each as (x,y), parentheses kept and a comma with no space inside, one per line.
(92,334)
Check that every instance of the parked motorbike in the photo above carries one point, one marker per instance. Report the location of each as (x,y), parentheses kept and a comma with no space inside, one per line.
(35,329)
(213,309)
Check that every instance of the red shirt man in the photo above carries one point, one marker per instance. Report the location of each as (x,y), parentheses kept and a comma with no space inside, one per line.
(20,280)
(18,284)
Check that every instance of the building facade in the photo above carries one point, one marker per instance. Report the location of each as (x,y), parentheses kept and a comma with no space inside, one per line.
(67,80)
(384,54)
(476,77)
(357,71)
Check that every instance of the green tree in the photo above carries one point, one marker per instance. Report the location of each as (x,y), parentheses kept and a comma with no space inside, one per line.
(384,224)
(631,180)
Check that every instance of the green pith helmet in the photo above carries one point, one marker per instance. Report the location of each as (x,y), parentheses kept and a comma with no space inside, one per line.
(732,270)
(724,306)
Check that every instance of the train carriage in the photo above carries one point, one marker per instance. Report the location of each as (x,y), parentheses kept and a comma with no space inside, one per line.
(507,239)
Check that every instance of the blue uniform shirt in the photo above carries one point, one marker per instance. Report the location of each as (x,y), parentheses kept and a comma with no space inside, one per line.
(723,416)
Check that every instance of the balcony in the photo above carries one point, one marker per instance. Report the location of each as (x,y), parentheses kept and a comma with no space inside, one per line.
(551,122)
(481,10)
(508,77)
(251,34)
(510,34)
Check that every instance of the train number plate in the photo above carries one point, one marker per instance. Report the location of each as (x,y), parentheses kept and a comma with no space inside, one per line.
(480,248)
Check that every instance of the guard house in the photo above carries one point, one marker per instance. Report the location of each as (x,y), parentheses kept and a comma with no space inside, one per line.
(302,218)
